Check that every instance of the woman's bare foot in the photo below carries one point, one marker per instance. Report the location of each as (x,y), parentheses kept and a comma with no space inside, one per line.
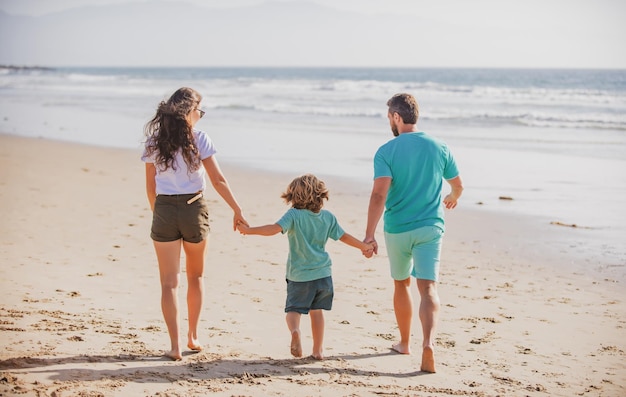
(401,348)
(317,356)
(428,360)
(192,342)
(296,346)
(174,355)
(195,346)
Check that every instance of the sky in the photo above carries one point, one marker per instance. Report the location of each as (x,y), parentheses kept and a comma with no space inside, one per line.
(507,33)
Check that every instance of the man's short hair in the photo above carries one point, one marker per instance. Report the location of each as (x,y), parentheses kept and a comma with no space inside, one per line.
(406,106)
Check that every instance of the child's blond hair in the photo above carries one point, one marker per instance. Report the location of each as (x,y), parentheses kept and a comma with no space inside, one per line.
(306,192)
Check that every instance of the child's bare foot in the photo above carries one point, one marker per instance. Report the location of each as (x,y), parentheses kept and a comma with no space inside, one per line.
(401,348)
(296,346)
(174,355)
(428,360)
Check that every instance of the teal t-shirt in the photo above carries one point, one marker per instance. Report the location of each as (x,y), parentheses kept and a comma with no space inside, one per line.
(417,164)
(308,233)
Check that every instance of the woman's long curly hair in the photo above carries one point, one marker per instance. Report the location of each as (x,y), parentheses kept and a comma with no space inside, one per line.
(306,193)
(169,131)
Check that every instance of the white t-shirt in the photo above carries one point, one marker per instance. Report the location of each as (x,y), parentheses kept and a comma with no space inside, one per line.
(179,181)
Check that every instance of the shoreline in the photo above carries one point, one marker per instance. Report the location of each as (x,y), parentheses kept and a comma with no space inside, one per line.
(527,238)
(80,312)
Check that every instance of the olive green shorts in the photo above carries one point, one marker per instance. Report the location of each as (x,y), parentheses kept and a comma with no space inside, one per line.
(173,219)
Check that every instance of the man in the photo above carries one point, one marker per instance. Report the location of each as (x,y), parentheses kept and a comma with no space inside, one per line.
(408,179)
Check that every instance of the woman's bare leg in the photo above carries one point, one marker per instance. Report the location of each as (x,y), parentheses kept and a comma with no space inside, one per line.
(168,256)
(194,253)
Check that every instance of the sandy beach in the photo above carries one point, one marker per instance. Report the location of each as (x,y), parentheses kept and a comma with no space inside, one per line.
(80,314)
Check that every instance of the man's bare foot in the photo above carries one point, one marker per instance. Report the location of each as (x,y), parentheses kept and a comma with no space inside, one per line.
(173,355)
(428,360)
(296,346)
(401,348)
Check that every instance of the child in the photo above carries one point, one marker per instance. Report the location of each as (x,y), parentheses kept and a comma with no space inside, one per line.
(309,282)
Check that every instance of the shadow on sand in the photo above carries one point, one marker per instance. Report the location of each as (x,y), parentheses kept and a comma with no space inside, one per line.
(195,365)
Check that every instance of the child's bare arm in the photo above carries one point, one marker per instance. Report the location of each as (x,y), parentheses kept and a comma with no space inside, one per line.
(366,248)
(265,230)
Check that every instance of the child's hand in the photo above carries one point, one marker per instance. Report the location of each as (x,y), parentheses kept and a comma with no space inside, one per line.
(243,228)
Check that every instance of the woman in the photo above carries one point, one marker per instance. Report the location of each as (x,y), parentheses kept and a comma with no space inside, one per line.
(177,158)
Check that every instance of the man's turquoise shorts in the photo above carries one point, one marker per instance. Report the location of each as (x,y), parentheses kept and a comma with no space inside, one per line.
(415,253)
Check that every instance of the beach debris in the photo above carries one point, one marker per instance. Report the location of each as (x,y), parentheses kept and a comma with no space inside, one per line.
(489,337)
(505,198)
(386,336)
(480,203)
(569,225)
(536,387)
(447,343)
(563,224)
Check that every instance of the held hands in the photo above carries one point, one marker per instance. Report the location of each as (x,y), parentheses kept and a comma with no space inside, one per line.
(243,228)
(369,251)
(238,219)
(372,248)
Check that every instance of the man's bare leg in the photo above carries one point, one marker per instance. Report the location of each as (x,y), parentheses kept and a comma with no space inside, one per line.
(403,308)
(429,314)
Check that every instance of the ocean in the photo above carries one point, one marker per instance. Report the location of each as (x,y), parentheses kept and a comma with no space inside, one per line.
(552,140)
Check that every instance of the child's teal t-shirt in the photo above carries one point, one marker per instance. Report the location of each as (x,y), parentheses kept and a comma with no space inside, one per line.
(308,233)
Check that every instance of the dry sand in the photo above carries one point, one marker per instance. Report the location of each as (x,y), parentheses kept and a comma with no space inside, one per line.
(80,313)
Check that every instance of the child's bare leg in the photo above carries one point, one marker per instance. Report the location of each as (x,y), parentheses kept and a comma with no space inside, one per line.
(293,323)
(317,329)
